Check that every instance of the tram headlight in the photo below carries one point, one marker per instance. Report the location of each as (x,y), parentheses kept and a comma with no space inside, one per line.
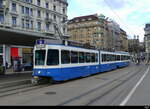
(39,72)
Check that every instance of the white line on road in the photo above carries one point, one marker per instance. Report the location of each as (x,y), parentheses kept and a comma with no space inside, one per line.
(123,103)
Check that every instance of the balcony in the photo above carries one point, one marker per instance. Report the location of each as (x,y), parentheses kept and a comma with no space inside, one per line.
(48,32)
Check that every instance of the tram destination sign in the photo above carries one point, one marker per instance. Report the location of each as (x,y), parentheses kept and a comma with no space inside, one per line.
(40,43)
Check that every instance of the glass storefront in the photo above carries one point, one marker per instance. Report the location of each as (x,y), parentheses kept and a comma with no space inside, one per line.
(27,55)
(1,49)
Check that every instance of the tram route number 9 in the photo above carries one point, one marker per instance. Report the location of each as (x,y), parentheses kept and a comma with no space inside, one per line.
(40,43)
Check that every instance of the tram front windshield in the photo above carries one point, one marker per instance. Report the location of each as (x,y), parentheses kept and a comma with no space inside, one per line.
(40,57)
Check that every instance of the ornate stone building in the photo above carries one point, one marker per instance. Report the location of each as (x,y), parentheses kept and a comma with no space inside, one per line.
(99,31)
(29,20)
(88,29)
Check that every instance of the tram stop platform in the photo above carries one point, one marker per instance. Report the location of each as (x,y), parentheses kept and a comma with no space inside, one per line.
(9,77)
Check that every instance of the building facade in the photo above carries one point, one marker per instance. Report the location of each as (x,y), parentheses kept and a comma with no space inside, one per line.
(134,46)
(99,31)
(89,29)
(124,41)
(34,15)
(43,18)
(147,40)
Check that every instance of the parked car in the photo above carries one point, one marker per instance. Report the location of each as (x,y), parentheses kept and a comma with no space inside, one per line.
(27,67)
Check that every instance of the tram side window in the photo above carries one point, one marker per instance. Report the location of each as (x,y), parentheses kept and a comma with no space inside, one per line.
(93,57)
(53,57)
(104,57)
(96,58)
(114,58)
(88,57)
(81,57)
(118,57)
(74,57)
(65,57)
(108,58)
(122,57)
(40,57)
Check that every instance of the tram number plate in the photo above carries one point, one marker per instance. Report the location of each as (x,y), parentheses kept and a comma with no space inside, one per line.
(40,44)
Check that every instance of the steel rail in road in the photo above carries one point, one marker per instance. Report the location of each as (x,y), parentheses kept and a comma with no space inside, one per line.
(20,89)
(105,88)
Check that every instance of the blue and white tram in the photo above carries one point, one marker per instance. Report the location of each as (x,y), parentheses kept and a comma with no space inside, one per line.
(60,62)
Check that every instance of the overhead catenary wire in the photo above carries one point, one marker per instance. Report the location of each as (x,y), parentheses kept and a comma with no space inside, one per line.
(110,7)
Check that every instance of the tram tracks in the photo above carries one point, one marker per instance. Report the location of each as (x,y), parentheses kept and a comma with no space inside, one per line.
(11,88)
(102,90)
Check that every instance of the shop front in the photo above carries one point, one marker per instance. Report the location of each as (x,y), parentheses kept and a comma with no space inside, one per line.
(2,68)
(17,56)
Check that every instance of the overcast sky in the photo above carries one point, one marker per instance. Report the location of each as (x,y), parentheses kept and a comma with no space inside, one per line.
(131,15)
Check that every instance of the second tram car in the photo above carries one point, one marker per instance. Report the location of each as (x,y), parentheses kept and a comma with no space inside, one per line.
(60,62)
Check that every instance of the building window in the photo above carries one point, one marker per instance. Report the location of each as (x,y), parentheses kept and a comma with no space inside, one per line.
(14,21)
(23,26)
(31,11)
(64,30)
(64,11)
(27,24)
(47,27)
(39,13)
(39,2)
(22,10)
(54,17)
(1,18)
(54,8)
(39,26)
(47,5)
(47,15)
(14,7)
(27,11)
(1,3)
(31,24)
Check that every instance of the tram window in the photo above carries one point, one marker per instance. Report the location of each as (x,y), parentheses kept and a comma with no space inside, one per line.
(74,57)
(81,57)
(118,57)
(96,57)
(108,58)
(40,57)
(122,57)
(65,57)
(53,57)
(104,57)
(93,58)
(88,57)
(113,58)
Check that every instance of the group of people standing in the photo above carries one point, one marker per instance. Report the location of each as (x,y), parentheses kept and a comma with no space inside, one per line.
(138,60)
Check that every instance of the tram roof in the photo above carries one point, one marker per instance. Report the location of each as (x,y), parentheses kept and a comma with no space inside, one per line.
(77,45)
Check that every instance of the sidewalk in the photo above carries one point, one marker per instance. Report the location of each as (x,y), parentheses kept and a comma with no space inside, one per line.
(11,72)
(15,76)
(22,72)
